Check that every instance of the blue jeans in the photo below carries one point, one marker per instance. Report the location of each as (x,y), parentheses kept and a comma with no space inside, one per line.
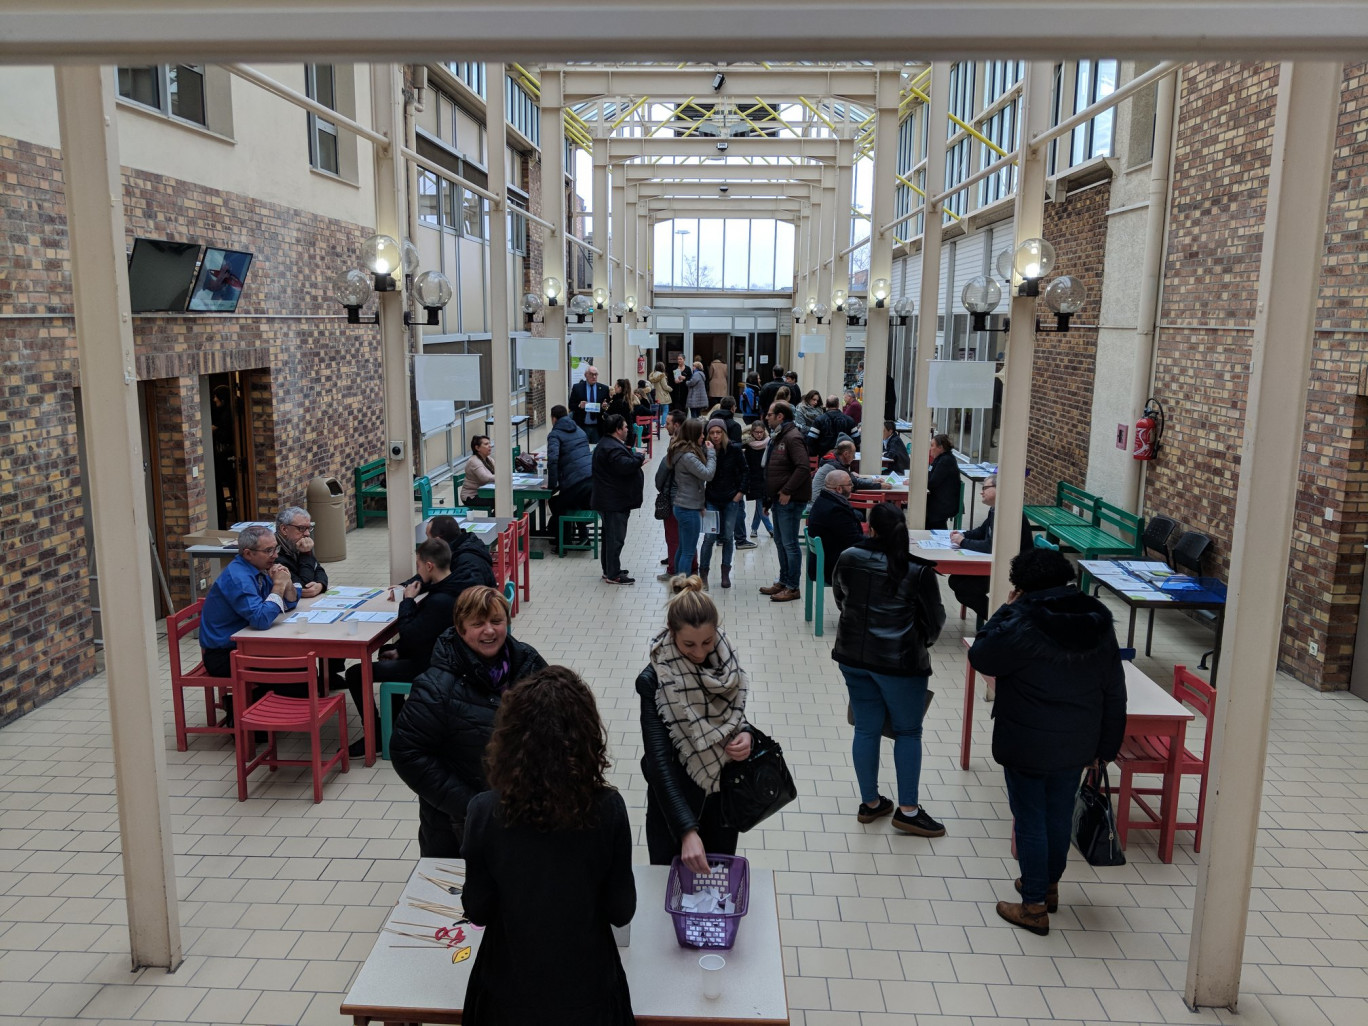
(1043,805)
(661,409)
(788,521)
(690,527)
(760,518)
(875,697)
(727,515)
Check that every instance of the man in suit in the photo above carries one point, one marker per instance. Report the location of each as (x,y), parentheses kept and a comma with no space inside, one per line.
(586,400)
(895,449)
(972,589)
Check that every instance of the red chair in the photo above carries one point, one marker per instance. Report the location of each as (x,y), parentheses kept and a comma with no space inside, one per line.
(1150,755)
(275,712)
(178,625)
(522,560)
(646,424)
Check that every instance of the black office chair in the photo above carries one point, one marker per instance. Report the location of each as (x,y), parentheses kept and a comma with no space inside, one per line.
(1187,558)
(1157,534)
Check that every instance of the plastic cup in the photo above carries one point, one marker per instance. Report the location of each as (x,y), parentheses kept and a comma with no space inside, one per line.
(353,627)
(711,967)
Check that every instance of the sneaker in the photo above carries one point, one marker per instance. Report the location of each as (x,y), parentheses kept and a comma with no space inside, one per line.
(1029,917)
(786,595)
(773,589)
(622,578)
(881,808)
(665,561)
(1051,895)
(918,823)
(665,577)
(755,534)
(747,544)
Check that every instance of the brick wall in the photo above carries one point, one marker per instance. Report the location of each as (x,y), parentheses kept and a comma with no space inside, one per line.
(1064,365)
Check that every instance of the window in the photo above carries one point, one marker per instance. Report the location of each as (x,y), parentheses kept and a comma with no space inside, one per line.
(1096,81)
(472,73)
(957,156)
(176,90)
(320,83)
(472,214)
(427,198)
(517,225)
(523,112)
(1000,79)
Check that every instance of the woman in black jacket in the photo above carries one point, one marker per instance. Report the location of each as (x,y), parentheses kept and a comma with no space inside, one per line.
(693,720)
(757,441)
(726,495)
(439,740)
(1061,707)
(891,613)
(548,856)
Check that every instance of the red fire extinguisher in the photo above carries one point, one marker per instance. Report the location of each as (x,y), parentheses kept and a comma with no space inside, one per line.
(1149,429)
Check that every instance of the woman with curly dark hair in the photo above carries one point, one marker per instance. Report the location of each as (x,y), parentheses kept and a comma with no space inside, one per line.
(548,865)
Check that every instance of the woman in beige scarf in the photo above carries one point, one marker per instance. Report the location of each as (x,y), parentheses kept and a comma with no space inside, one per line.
(693,721)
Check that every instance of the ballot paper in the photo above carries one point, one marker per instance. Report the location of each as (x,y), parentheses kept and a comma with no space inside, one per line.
(316,616)
(707,900)
(370,617)
(338,603)
(350,591)
(479,526)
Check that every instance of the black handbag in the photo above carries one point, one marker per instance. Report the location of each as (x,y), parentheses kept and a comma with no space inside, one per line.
(756,789)
(888,719)
(664,501)
(1094,822)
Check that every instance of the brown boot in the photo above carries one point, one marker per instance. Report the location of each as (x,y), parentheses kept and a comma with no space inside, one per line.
(1051,895)
(726,576)
(1029,917)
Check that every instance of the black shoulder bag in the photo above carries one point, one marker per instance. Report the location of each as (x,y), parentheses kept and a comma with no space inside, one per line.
(1094,823)
(664,501)
(756,789)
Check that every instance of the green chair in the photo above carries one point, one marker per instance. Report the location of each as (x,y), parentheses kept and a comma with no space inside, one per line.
(445,511)
(578,516)
(959,517)
(388,689)
(815,594)
(510,590)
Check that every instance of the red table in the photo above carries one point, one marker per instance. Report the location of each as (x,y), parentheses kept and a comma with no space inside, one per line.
(329,641)
(1150,712)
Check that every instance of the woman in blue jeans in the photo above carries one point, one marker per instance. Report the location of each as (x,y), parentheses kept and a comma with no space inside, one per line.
(891,613)
(694,462)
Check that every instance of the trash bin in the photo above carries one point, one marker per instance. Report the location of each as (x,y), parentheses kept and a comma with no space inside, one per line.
(327,506)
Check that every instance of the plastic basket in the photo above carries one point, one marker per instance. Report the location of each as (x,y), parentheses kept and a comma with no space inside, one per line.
(730,874)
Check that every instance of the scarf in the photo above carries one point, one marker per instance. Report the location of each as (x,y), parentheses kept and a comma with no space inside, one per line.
(703,707)
(286,546)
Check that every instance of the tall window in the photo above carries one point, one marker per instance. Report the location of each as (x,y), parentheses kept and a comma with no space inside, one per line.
(1000,80)
(176,90)
(320,83)
(1096,80)
(957,155)
(472,73)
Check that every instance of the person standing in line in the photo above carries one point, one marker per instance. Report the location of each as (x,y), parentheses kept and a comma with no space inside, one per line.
(1060,708)
(942,484)
(770,393)
(660,381)
(852,408)
(891,613)
(719,379)
(569,466)
(680,378)
(757,442)
(664,481)
(698,390)
(693,722)
(618,485)
(693,465)
(788,487)
(725,495)
(550,816)
(750,399)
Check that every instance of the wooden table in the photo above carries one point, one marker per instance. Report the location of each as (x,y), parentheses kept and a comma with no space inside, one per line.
(403,984)
(329,641)
(952,561)
(1150,712)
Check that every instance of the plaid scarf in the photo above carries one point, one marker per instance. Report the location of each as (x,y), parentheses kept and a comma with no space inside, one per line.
(703,707)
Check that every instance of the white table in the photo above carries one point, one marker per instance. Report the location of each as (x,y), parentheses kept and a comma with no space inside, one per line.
(951,561)
(399,983)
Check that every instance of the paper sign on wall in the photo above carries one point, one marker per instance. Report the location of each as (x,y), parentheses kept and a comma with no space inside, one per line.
(811,344)
(435,415)
(538,353)
(642,338)
(593,344)
(447,376)
(958,384)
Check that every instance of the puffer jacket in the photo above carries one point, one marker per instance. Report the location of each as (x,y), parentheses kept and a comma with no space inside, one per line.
(471,563)
(887,630)
(698,390)
(1061,687)
(439,740)
(691,477)
(730,477)
(569,461)
(755,470)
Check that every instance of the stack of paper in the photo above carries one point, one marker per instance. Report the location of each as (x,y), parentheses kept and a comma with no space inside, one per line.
(371,617)
(339,603)
(319,616)
(349,591)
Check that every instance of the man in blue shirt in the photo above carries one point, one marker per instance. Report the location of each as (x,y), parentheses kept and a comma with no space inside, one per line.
(251,592)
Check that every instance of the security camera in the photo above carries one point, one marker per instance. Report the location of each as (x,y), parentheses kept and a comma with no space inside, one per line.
(723,188)
(722,146)
(396,450)
(718,80)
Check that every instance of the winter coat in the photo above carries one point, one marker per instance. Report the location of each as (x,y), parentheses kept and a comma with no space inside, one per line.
(787,469)
(691,476)
(1061,687)
(854,411)
(471,564)
(899,460)
(840,423)
(660,381)
(750,402)
(698,390)
(438,743)
(621,405)
(729,478)
(980,539)
(569,460)
(887,630)
(719,381)
(755,470)
(618,479)
(839,526)
(943,489)
(422,623)
(734,429)
(767,394)
(862,484)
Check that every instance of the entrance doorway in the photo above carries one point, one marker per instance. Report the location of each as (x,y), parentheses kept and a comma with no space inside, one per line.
(230,441)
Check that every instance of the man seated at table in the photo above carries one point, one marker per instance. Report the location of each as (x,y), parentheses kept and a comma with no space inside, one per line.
(895,453)
(972,589)
(252,591)
(294,536)
(471,562)
(420,625)
(841,459)
(942,484)
(834,521)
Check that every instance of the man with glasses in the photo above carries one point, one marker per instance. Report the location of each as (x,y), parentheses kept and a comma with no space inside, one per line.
(252,591)
(972,589)
(294,535)
(587,399)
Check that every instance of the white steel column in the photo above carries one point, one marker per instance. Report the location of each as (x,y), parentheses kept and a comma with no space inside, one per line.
(928,300)
(617,275)
(802,285)
(1304,126)
(552,122)
(115,476)
(610,368)
(840,267)
(810,376)
(1016,392)
(880,266)
(387,104)
(501,361)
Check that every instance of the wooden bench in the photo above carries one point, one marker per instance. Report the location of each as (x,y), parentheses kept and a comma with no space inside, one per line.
(1073,507)
(1096,541)
(369,479)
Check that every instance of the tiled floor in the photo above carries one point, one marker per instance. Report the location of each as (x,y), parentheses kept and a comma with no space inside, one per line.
(281,898)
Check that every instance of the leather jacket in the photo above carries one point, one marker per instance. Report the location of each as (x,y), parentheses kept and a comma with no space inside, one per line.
(882,629)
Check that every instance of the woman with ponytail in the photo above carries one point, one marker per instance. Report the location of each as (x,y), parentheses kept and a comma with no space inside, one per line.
(693,722)
(891,613)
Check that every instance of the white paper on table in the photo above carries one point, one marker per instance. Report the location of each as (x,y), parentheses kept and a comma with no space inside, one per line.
(1148,596)
(337,603)
(478,526)
(371,617)
(312,616)
(242,525)
(351,591)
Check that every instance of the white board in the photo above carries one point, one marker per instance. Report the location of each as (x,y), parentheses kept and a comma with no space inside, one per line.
(958,384)
(592,344)
(435,415)
(447,377)
(811,344)
(642,338)
(539,353)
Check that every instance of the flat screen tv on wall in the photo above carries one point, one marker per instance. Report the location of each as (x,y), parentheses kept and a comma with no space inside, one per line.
(160,274)
(219,285)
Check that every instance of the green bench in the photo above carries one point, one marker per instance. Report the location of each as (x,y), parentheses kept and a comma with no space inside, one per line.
(369,479)
(1105,538)
(1073,507)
